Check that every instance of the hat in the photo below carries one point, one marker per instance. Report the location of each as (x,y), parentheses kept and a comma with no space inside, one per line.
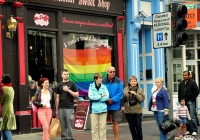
(6,79)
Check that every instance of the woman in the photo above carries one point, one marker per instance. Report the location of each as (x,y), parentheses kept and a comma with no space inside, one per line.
(9,122)
(98,95)
(159,104)
(44,100)
(133,111)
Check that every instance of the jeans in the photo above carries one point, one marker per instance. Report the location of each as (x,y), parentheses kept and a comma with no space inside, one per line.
(159,116)
(192,126)
(45,116)
(98,123)
(6,135)
(66,117)
(135,125)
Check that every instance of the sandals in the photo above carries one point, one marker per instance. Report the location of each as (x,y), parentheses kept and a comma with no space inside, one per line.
(180,136)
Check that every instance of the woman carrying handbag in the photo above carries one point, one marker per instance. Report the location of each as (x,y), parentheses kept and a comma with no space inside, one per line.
(44,100)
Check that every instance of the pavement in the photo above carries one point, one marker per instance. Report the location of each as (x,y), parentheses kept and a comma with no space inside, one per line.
(150,132)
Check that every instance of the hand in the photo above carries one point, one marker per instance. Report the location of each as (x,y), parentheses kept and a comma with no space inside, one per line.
(109,101)
(102,95)
(166,113)
(44,105)
(65,88)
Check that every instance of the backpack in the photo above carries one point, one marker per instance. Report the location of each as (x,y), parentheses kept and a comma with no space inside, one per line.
(35,108)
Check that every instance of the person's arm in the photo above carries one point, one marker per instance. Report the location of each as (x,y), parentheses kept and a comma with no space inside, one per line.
(57,103)
(195,91)
(179,92)
(119,94)
(177,113)
(92,95)
(35,101)
(188,114)
(140,96)
(73,92)
(105,95)
(165,101)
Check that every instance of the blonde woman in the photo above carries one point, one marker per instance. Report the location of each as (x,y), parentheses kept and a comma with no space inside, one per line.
(159,104)
(133,110)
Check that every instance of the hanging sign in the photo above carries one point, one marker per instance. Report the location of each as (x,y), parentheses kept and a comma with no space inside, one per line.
(191,16)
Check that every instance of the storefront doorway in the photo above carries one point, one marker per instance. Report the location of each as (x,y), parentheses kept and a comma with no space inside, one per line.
(41,57)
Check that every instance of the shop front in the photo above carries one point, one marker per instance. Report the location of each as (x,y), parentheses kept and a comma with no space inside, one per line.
(83,37)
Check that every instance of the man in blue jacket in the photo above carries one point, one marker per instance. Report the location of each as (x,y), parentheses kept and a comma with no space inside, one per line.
(115,89)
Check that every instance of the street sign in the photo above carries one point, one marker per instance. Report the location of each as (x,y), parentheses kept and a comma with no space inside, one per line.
(162,30)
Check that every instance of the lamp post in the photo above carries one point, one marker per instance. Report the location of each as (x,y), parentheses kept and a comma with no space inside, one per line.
(12,26)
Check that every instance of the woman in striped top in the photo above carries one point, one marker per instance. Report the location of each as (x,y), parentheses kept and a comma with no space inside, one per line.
(182,114)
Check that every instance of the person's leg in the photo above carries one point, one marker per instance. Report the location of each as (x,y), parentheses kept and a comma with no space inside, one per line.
(184,129)
(69,118)
(102,126)
(138,125)
(192,126)
(130,119)
(3,135)
(116,117)
(63,124)
(160,118)
(95,126)
(42,115)
(8,134)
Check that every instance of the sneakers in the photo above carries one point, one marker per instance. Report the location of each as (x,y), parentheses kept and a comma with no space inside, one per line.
(187,133)
(194,133)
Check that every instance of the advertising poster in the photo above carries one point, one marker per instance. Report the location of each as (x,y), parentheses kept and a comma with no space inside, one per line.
(81,115)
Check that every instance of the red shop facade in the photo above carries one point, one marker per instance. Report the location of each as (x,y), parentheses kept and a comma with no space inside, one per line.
(36,48)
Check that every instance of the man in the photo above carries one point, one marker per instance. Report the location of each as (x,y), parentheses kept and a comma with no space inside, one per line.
(193,78)
(66,92)
(189,90)
(115,89)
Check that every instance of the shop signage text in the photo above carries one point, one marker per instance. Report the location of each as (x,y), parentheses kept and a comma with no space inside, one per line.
(41,19)
(107,6)
(87,23)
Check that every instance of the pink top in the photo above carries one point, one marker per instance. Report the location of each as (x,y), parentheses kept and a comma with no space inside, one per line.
(182,111)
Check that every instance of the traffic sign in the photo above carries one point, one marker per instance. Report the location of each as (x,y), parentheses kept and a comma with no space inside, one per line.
(162,30)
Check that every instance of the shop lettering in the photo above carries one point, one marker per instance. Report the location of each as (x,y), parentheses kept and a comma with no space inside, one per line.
(190,16)
(104,4)
(87,2)
(101,3)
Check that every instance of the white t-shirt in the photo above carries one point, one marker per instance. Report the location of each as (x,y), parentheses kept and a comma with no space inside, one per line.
(45,99)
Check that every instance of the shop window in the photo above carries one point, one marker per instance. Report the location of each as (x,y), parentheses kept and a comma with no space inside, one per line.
(190,54)
(85,55)
(190,41)
(177,52)
(42,59)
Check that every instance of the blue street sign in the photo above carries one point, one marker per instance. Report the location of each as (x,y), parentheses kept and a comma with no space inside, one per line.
(159,36)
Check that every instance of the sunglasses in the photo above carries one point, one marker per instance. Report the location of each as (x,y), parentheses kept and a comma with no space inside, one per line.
(112,72)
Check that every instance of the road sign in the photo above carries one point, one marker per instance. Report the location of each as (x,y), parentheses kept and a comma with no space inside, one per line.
(162,30)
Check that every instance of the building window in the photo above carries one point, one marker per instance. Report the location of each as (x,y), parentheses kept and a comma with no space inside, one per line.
(190,41)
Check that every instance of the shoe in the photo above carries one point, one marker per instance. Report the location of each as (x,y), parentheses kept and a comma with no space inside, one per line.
(194,133)
(187,133)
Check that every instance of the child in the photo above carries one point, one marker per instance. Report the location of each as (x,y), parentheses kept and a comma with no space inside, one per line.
(182,114)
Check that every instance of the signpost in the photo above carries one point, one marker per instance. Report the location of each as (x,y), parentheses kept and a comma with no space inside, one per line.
(162,30)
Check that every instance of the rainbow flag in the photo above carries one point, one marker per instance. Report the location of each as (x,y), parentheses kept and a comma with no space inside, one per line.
(82,64)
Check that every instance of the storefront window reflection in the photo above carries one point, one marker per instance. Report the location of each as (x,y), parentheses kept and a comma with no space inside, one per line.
(85,55)
(190,55)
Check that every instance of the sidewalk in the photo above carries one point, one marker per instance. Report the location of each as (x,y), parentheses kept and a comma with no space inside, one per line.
(150,132)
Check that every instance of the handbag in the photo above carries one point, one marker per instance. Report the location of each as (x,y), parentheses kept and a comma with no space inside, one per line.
(167,125)
(177,122)
(53,129)
(35,108)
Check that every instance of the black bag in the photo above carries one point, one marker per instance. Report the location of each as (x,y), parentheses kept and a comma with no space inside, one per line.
(167,125)
(177,122)
(132,100)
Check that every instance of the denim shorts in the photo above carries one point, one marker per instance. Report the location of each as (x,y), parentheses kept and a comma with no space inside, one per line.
(183,120)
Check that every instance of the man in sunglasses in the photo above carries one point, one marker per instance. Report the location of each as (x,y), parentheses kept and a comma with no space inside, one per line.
(115,89)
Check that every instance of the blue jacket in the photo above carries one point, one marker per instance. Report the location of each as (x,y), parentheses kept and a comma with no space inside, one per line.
(98,104)
(162,101)
(115,89)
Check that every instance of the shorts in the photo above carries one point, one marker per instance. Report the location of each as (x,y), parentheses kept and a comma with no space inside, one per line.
(116,115)
(183,120)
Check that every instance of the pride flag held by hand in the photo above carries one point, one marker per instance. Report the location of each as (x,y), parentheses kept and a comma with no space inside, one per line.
(82,64)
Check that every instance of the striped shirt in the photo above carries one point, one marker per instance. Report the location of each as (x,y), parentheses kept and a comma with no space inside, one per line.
(182,111)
